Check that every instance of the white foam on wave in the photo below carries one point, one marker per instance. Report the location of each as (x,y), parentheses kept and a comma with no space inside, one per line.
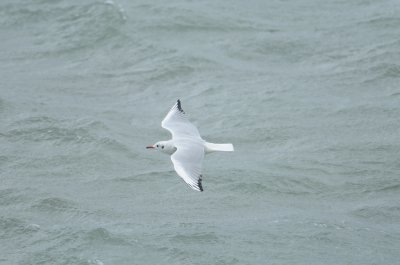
(95,262)
(119,8)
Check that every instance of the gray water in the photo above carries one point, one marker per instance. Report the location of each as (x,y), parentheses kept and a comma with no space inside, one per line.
(307,91)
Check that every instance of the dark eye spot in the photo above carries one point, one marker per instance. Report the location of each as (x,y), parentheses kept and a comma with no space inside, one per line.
(157,145)
(162,147)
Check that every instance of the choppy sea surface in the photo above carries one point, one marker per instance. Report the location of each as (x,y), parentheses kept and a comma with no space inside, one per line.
(307,91)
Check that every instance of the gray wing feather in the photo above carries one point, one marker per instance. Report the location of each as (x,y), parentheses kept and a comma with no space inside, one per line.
(177,123)
(187,161)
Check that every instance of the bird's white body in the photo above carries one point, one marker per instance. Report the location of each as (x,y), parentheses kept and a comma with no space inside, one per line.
(187,148)
(168,147)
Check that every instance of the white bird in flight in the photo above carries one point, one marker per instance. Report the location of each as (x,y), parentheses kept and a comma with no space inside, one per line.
(186,147)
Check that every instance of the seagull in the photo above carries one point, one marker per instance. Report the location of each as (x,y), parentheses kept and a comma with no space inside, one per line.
(187,148)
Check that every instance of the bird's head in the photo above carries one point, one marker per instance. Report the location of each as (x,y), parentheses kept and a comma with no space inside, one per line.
(159,145)
(163,146)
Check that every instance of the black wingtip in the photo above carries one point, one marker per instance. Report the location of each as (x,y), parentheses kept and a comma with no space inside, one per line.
(178,102)
(199,183)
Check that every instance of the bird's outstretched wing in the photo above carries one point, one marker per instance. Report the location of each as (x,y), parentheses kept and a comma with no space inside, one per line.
(187,160)
(177,123)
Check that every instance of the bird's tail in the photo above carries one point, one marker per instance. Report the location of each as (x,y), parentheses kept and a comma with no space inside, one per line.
(210,147)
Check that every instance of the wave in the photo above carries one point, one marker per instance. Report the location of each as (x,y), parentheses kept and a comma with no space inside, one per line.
(380,213)
(180,19)
(11,197)
(63,132)
(55,204)
(382,22)
(64,27)
(102,235)
(44,128)
(199,238)
(11,227)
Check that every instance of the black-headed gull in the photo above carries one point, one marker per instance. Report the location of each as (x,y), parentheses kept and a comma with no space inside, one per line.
(186,147)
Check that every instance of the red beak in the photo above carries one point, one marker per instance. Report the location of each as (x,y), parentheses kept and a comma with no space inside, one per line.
(150,146)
